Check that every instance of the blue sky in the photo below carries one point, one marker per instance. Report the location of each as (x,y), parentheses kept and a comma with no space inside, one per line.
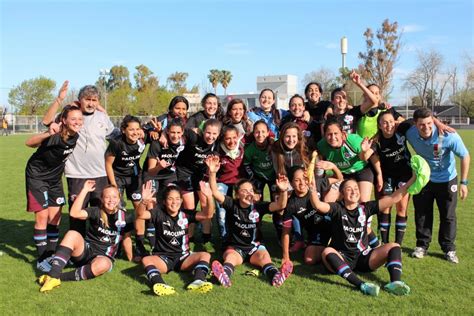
(75,39)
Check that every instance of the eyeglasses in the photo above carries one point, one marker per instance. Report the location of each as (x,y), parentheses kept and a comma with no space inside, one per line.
(245,191)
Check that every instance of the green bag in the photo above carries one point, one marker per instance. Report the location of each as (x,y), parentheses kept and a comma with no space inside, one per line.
(422,171)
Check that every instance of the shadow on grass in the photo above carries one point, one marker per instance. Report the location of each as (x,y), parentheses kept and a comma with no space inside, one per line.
(17,239)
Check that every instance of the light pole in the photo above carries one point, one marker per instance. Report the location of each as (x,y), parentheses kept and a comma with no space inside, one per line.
(104,75)
(343,51)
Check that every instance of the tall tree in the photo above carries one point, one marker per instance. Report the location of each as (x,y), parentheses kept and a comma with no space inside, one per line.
(120,101)
(226,78)
(214,77)
(119,77)
(33,96)
(144,78)
(381,55)
(464,95)
(177,80)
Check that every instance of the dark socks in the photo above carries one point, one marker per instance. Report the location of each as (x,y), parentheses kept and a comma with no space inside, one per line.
(153,275)
(201,270)
(400,226)
(53,236)
(41,242)
(373,240)
(60,259)
(384,226)
(269,270)
(229,268)
(206,238)
(81,273)
(394,264)
(140,244)
(343,269)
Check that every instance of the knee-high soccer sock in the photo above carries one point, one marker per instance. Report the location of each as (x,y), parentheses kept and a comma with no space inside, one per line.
(153,275)
(384,226)
(201,270)
(373,240)
(150,233)
(343,269)
(394,264)
(81,273)
(60,259)
(53,236)
(140,244)
(41,242)
(400,226)
(269,270)
(229,269)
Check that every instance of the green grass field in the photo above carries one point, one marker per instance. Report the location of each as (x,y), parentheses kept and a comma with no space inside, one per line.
(438,287)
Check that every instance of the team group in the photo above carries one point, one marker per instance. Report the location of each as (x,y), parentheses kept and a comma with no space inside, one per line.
(321,161)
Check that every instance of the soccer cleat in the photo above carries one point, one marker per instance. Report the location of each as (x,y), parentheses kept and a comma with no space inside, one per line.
(451,256)
(397,288)
(419,252)
(199,286)
(283,274)
(220,274)
(162,289)
(42,279)
(45,265)
(297,246)
(208,247)
(49,283)
(370,289)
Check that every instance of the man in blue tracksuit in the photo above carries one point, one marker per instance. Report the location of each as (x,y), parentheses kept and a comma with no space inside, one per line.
(439,152)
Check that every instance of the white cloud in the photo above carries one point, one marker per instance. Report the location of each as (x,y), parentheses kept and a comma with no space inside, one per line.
(412,28)
(237,49)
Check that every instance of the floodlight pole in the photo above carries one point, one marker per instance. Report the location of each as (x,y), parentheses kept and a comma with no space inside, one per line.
(344,51)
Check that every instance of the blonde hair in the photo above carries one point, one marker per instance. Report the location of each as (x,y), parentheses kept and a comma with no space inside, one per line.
(103,214)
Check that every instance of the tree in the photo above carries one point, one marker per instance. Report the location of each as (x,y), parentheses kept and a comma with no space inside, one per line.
(381,56)
(144,78)
(119,77)
(464,96)
(120,101)
(226,78)
(427,80)
(214,77)
(32,97)
(177,80)
(324,76)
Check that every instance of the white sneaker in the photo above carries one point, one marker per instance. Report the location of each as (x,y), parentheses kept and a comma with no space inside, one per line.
(418,252)
(451,256)
(44,266)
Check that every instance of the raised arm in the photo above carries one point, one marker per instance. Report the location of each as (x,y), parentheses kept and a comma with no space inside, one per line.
(207,212)
(213,163)
(366,149)
(282,184)
(327,165)
(48,118)
(395,197)
(365,106)
(322,207)
(147,198)
(76,208)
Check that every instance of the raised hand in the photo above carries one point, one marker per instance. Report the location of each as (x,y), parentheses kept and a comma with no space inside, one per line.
(366,144)
(205,188)
(355,77)
(89,185)
(282,182)
(156,124)
(148,191)
(54,128)
(63,91)
(213,163)
(324,165)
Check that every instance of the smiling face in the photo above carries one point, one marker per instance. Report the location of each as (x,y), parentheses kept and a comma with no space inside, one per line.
(334,136)
(350,192)
(387,125)
(245,194)
(313,94)
(89,103)
(237,112)
(425,126)
(210,134)
(340,103)
(175,133)
(299,183)
(260,133)
(131,132)
(110,199)
(297,107)
(231,139)
(173,201)
(180,110)
(290,139)
(74,121)
(210,106)
(266,100)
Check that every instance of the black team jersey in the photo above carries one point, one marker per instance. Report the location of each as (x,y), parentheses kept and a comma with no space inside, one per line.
(394,154)
(349,228)
(171,232)
(105,240)
(191,159)
(169,154)
(127,156)
(48,162)
(242,224)
(349,119)
(302,208)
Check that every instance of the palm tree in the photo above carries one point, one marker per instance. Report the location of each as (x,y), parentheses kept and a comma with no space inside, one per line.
(226,77)
(214,78)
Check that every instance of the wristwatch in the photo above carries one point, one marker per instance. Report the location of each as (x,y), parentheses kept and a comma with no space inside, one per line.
(464,181)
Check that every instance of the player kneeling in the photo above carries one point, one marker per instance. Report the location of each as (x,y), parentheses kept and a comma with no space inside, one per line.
(171,250)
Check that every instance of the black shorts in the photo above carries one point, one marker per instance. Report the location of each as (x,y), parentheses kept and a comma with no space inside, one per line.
(89,254)
(132,186)
(246,252)
(365,174)
(189,183)
(75,186)
(320,234)
(259,185)
(396,182)
(41,194)
(173,262)
(358,262)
